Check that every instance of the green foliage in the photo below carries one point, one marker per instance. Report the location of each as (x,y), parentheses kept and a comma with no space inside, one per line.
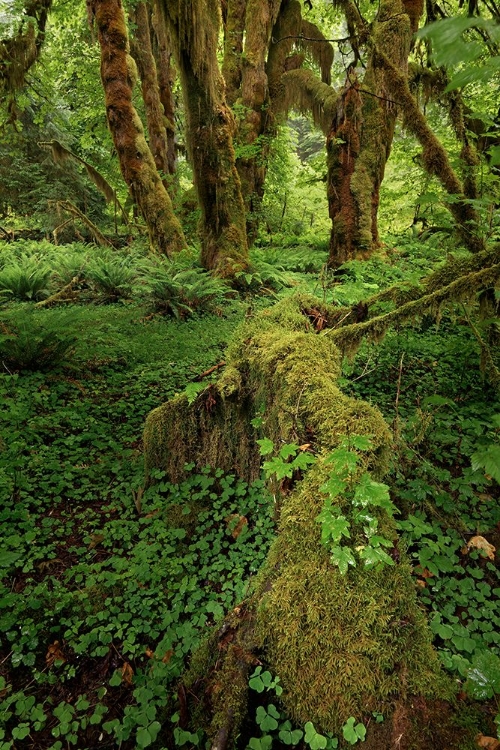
(105,566)
(363,493)
(290,458)
(263,680)
(24,279)
(113,277)
(181,293)
(453,45)
(353,733)
(32,345)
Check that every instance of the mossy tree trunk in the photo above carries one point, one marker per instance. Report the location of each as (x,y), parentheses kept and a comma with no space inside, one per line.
(194,28)
(259,38)
(254,100)
(136,160)
(162,50)
(234,31)
(19,53)
(434,156)
(341,645)
(142,52)
(360,140)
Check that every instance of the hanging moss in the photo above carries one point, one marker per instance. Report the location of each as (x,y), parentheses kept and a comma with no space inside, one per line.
(304,92)
(194,29)
(435,158)
(19,53)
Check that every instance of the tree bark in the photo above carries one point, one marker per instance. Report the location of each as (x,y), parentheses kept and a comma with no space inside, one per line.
(194,27)
(360,139)
(166,79)
(142,52)
(234,30)
(254,119)
(136,160)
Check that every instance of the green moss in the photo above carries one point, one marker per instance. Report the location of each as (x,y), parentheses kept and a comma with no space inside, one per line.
(341,646)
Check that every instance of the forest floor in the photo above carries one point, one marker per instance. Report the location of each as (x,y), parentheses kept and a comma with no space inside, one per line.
(103,597)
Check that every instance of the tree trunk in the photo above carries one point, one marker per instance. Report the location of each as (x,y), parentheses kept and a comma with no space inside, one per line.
(21,51)
(255,118)
(359,142)
(142,53)
(136,161)
(234,30)
(166,79)
(342,645)
(435,158)
(193,28)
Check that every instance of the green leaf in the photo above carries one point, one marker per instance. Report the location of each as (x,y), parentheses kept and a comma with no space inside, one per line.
(278,467)
(289,449)
(352,733)
(334,527)
(192,390)
(344,461)
(333,487)
(342,557)
(361,442)
(369,492)
(266,446)
(483,677)
(260,743)
(374,556)
(303,460)
(143,737)
(488,459)
(266,721)
(315,740)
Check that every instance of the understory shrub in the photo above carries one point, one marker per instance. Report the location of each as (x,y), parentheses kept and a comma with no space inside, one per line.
(25,279)
(181,293)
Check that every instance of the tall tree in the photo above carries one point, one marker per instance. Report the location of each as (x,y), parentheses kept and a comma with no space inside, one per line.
(136,160)
(162,50)
(260,37)
(142,52)
(19,52)
(193,26)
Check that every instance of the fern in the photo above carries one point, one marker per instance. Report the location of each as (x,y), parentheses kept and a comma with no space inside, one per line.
(25,279)
(181,293)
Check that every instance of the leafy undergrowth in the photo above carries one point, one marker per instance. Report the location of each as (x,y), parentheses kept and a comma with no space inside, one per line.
(107,587)
(446,418)
(104,592)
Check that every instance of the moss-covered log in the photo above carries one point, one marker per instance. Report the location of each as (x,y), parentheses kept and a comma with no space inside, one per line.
(136,160)
(194,30)
(341,645)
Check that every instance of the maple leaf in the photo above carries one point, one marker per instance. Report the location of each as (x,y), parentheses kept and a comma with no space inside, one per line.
(54,654)
(127,673)
(481,544)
